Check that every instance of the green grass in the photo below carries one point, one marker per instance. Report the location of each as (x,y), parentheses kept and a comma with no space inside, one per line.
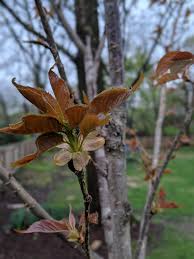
(178,237)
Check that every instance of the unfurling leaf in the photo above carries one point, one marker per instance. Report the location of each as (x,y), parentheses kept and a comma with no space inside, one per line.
(44,101)
(75,114)
(60,90)
(161,203)
(71,219)
(33,124)
(43,143)
(68,227)
(90,122)
(107,100)
(46,226)
(173,66)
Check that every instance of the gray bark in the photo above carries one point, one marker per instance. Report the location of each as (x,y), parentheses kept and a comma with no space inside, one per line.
(115,148)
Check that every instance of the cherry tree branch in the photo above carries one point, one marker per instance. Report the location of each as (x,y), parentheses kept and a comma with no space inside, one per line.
(50,39)
(72,34)
(9,180)
(156,155)
(146,217)
(87,200)
(99,50)
(28,27)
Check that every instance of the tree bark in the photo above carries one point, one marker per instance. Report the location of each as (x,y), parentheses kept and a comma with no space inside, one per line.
(115,148)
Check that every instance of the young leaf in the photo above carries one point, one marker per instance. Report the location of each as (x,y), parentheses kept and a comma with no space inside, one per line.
(43,143)
(33,124)
(90,122)
(75,114)
(60,90)
(45,226)
(172,66)
(41,99)
(107,100)
(72,221)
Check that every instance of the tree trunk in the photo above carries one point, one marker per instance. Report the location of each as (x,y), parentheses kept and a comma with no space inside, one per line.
(115,146)
(87,25)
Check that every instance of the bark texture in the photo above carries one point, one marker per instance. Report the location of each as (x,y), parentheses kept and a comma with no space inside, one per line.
(115,149)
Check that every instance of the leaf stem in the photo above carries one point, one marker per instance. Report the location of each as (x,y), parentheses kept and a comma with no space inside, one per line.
(87,200)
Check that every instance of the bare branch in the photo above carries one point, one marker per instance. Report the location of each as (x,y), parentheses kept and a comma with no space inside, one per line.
(27,26)
(146,217)
(36,42)
(32,30)
(99,51)
(72,34)
(10,181)
(156,154)
(50,39)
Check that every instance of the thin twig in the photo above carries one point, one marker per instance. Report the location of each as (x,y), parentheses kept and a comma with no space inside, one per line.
(9,180)
(99,50)
(87,201)
(50,39)
(36,42)
(72,34)
(28,27)
(159,172)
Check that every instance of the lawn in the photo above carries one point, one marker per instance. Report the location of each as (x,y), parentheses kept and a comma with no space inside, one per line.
(178,236)
(176,240)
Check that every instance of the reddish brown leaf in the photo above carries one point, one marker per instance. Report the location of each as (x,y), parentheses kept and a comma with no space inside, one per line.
(90,122)
(60,90)
(167,171)
(33,124)
(107,100)
(75,114)
(43,143)
(41,99)
(162,203)
(45,226)
(173,65)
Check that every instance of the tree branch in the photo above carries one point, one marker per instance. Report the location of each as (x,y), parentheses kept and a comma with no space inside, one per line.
(27,26)
(146,217)
(10,181)
(156,154)
(99,51)
(72,34)
(32,30)
(50,39)
(87,200)
(36,42)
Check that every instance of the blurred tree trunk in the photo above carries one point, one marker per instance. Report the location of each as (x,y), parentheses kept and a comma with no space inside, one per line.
(115,146)
(86,14)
